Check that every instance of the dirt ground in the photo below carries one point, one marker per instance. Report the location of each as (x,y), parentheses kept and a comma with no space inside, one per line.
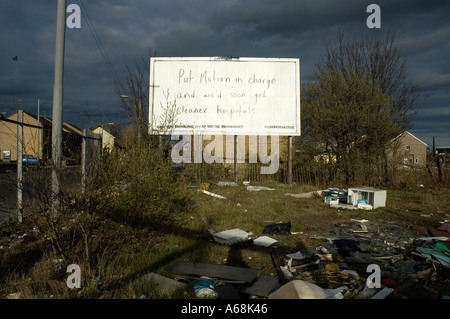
(388,236)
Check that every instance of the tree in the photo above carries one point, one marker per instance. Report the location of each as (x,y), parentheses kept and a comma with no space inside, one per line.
(358,101)
(134,96)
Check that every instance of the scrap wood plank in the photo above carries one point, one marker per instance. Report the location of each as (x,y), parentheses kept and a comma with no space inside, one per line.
(224,272)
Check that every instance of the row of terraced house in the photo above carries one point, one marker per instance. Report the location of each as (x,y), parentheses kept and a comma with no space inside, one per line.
(37,139)
(408,150)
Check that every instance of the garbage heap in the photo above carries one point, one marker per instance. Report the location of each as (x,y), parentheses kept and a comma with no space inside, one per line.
(357,260)
(362,259)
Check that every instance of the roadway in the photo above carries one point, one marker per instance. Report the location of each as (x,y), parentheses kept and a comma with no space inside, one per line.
(36,186)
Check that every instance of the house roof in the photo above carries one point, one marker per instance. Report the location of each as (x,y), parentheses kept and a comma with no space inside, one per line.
(45,121)
(409,133)
(72,128)
(101,130)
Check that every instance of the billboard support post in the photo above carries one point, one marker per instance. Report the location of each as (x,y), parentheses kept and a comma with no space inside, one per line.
(289,163)
(235,158)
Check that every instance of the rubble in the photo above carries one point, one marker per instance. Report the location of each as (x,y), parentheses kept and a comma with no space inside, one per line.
(395,247)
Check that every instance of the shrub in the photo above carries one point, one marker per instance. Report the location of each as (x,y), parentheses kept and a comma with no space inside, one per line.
(138,185)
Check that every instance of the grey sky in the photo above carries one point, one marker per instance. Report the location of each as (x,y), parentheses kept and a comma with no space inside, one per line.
(246,28)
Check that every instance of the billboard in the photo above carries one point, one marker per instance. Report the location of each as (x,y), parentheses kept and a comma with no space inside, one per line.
(227,96)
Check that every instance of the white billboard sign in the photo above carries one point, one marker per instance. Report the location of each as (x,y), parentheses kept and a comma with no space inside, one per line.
(227,96)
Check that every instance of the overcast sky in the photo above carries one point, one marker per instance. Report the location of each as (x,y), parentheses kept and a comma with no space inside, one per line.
(125,30)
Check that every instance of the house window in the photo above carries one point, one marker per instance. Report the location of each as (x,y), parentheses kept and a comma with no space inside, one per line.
(408,147)
(417,161)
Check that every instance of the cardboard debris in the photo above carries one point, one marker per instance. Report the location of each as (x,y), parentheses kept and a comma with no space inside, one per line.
(264,241)
(232,236)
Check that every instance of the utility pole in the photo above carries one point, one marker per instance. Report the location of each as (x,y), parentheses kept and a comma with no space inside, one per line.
(37,131)
(19,165)
(83,162)
(58,103)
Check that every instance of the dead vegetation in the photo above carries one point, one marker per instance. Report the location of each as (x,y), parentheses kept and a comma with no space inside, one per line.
(117,247)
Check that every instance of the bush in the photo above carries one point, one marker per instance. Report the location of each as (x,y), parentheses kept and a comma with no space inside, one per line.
(138,185)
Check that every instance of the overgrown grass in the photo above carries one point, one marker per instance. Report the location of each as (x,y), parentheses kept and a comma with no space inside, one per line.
(140,216)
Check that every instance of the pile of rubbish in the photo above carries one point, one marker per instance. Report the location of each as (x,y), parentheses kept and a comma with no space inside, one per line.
(358,260)
(348,256)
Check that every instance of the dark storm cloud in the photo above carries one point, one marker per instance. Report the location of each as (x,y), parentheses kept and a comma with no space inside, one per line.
(259,28)
(269,17)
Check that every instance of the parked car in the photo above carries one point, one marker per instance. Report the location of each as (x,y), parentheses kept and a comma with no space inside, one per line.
(29,160)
